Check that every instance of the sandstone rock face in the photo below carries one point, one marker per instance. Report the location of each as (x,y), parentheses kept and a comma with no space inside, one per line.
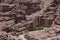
(52,33)
(19,16)
(13,17)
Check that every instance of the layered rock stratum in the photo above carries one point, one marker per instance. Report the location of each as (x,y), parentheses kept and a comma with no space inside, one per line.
(18,17)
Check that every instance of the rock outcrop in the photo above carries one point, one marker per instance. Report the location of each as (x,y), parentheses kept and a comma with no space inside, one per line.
(20,16)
